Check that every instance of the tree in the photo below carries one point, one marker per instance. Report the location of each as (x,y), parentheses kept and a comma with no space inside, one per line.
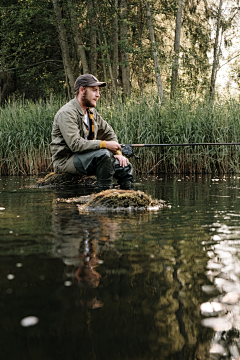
(108,59)
(110,39)
(78,37)
(226,48)
(93,36)
(124,56)
(175,64)
(115,42)
(30,57)
(216,50)
(196,43)
(154,50)
(64,45)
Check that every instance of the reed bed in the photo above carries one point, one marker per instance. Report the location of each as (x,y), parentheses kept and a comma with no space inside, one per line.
(25,134)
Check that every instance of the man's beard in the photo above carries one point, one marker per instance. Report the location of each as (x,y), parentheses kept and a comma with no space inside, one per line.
(86,102)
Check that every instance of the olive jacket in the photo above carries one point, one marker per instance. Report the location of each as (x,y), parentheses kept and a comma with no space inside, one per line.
(69,134)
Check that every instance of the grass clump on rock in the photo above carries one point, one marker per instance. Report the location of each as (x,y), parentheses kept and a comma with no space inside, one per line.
(114,199)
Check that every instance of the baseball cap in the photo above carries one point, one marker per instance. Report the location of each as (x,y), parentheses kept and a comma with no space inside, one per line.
(87,80)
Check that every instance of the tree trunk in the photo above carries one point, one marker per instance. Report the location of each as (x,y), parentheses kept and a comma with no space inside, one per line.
(141,26)
(175,64)
(115,43)
(216,52)
(108,58)
(78,38)
(154,50)
(93,37)
(64,45)
(123,53)
(104,70)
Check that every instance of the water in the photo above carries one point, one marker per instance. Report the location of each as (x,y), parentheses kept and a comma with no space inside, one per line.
(157,285)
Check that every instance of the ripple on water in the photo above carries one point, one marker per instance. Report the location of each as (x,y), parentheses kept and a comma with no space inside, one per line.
(10,276)
(29,321)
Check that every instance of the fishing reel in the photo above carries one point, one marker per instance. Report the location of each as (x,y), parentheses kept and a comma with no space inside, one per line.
(128,151)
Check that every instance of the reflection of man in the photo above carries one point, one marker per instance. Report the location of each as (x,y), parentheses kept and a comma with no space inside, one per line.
(83,246)
(75,148)
(86,275)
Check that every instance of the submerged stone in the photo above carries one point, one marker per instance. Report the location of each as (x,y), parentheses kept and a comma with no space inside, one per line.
(52,180)
(114,199)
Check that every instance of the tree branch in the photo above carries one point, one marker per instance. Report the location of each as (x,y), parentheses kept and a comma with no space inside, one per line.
(234,57)
(30,66)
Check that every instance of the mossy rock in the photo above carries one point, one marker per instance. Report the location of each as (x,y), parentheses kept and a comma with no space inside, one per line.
(114,199)
(64,179)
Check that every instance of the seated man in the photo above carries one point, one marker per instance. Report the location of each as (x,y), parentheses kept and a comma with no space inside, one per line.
(75,148)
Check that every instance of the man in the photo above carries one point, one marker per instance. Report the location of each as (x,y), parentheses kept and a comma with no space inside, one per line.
(75,148)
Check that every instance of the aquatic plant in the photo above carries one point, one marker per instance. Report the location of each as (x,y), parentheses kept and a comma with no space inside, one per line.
(25,134)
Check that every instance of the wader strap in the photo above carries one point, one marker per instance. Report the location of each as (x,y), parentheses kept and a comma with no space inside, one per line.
(91,121)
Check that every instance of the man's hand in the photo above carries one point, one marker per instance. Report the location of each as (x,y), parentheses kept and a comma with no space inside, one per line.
(123,161)
(113,146)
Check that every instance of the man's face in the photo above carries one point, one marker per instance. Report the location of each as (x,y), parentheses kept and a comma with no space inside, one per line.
(90,96)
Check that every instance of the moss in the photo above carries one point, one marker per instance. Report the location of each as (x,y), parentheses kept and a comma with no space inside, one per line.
(120,198)
(117,199)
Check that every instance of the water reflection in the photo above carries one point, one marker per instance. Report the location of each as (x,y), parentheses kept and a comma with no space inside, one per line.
(143,280)
(222,312)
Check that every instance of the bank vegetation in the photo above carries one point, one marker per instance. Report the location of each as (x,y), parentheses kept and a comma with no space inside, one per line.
(26,126)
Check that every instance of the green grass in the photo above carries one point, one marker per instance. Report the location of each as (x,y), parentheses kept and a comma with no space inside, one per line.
(25,134)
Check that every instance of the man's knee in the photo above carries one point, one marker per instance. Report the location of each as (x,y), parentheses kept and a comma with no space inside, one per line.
(120,169)
(105,152)
(106,160)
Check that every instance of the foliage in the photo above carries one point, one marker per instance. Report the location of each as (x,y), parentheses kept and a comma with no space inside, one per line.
(235,72)
(32,61)
(30,55)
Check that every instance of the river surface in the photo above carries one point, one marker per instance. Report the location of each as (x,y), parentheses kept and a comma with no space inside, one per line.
(140,285)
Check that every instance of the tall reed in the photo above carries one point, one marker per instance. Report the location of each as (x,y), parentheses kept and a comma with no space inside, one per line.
(25,134)
(180,121)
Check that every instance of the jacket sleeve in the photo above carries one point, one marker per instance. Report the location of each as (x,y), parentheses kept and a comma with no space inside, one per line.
(68,125)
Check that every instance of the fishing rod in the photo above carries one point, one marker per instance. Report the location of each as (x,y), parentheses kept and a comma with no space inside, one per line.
(127,149)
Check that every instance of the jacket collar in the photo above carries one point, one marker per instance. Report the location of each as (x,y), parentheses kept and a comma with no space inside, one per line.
(77,106)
